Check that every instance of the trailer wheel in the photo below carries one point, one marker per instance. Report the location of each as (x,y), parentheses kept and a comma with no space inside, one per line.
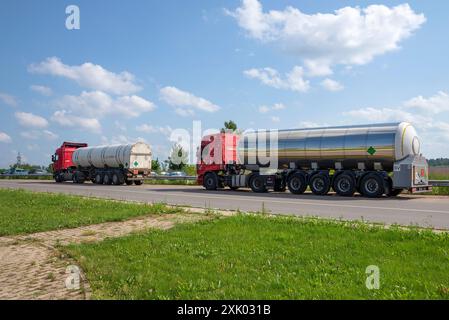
(372,186)
(138,182)
(257,184)
(128,182)
(107,179)
(320,184)
(210,181)
(297,183)
(344,185)
(98,178)
(117,179)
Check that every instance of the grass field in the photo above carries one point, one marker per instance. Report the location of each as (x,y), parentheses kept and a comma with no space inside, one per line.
(28,212)
(439,173)
(261,257)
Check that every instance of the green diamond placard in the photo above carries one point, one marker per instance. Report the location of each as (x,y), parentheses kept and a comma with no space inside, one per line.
(371,151)
(135,163)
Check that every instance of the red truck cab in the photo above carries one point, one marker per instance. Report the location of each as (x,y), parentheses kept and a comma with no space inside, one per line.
(62,159)
(216,152)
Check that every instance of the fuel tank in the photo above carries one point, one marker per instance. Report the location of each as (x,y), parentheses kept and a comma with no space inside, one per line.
(374,146)
(135,156)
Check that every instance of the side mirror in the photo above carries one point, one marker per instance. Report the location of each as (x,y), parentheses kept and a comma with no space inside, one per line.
(53,158)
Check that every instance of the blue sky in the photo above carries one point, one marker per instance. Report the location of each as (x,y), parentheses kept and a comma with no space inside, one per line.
(139,69)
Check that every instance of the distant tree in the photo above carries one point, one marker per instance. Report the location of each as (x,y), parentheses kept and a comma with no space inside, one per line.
(190,170)
(229,126)
(178,158)
(439,162)
(49,168)
(155,165)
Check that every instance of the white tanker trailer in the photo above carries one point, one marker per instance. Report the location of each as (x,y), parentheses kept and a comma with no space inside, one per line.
(371,159)
(114,164)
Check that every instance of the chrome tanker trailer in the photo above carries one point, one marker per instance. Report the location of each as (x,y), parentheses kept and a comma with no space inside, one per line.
(373,159)
(114,164)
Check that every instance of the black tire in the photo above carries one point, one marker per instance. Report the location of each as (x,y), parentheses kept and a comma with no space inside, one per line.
(58,178)
(74,178)
(257,184)
(98,178)
(138,182)
(297,183)
(117,179)
(210,181)
(128,182)
(320,184)
(107,179)
(372,185)
(345,185)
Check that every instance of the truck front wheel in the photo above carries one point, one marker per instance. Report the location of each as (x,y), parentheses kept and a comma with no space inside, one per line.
(257,184)
(210,181)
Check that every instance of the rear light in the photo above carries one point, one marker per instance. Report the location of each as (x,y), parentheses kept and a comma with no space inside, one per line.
(135,171)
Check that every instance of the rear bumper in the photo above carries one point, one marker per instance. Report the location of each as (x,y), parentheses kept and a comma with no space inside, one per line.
(420,189)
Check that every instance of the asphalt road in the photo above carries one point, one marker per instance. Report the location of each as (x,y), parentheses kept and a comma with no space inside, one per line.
(424,211)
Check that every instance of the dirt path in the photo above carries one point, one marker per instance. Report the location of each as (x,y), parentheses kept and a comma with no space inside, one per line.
(31,267)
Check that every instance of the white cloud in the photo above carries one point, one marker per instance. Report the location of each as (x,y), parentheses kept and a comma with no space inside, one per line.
(275,107)
(147,128)
(264,109)
(37,135)
(278,106)
(98,103)
(5,138)
(386,115)
(311,124)
(43,90)
(275,119)
(349,36)
(293,80)
(421,113)
(178,98)
(89,75)
(8,99)
(318,68)
(66,119)
(121,139)
(435,104)
(332,85)
(31,120)
(184,112)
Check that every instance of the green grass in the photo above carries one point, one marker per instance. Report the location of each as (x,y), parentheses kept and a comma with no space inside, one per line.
(261,257)
(439,174)
(27,212)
